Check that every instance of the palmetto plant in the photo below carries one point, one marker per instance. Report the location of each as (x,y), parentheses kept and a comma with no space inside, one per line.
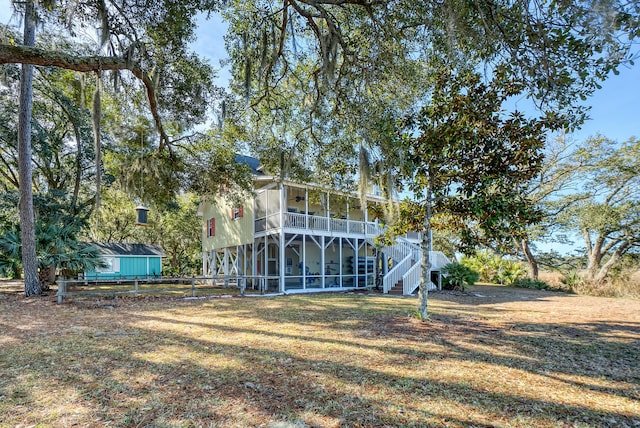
(10,263)
(58,248)
(457,276)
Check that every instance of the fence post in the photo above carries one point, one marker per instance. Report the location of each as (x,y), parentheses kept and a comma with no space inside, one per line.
(243,285)
(135,286)
(193,286)
(62,289)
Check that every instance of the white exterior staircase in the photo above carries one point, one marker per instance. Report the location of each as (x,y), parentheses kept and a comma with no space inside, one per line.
(406,271)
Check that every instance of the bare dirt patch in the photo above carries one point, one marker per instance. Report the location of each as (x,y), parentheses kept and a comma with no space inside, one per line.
(495,356)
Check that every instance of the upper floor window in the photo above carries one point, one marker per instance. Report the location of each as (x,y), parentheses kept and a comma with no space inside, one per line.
(211,227)
(237,212)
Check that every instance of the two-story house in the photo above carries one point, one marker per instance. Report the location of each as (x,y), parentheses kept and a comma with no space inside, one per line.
(297,237)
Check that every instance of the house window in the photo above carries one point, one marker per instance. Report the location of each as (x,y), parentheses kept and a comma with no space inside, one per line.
(237,212)
(211,227)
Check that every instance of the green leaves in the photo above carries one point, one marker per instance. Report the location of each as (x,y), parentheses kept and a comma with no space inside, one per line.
(475,160)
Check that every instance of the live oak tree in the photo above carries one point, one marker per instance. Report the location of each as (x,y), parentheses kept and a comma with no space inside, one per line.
(553,191)
(341,50)
(61,157)
(149,41)
(606,212)
(586,190)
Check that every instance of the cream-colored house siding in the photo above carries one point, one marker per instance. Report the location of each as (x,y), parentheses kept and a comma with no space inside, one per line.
(228,231)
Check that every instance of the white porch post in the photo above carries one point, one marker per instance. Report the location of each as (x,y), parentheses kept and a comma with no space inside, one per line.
(322,265)
(366,264)
(283,195)
(328,208)
(238,265)
(340,261)
(254,259)
(303,269)
(306,208)
(265,258)
(225,267)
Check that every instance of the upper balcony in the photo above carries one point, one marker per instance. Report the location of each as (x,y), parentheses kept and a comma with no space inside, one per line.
(297,207)
(319,224)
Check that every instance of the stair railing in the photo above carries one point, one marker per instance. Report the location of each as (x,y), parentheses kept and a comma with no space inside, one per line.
(395,274)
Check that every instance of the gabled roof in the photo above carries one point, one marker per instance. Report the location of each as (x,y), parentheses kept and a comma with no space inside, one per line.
(251,162)
(118,249)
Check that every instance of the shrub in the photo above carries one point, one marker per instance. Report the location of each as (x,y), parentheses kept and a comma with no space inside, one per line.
(532,283)
(509,272)
(457,276)
(483,262)
(493,268)
(572,280)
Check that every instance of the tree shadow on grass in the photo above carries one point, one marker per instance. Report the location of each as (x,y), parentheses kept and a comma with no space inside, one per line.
(208,363)
(120,377)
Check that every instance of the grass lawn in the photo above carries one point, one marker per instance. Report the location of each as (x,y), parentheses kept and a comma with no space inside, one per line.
(499,357)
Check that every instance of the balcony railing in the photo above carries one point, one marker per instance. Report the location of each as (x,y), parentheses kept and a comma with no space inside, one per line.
(324,224)
(317,223)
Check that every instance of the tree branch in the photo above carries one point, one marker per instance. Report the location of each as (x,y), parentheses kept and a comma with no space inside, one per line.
(17,54)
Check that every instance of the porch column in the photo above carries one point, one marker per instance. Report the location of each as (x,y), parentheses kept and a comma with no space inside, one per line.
(304,260)
(283,196)
(306,208)
(328,208)
(322,265)
(340,260)
(281,262)
(225,267)
(254,259)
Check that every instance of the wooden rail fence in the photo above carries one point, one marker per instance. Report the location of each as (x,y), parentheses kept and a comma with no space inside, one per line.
(193,285)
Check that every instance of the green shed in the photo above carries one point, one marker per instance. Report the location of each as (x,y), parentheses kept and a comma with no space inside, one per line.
(127,261)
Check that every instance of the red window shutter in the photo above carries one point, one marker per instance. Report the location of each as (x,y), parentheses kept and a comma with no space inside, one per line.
(232,210)
(211,226)
(240,211)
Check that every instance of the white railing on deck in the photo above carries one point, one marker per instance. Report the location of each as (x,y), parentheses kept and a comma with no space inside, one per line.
(411,280)
(373,229)
(338,225)
(401,249)
(298,221)
(318,223)
(354,226)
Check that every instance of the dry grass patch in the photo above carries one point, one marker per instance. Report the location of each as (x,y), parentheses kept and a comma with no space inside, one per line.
(502,357)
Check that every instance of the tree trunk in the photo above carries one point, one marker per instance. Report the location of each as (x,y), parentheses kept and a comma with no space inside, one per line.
(425,277)
(27,221)
(594,255)
(531,260)
(603,272)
